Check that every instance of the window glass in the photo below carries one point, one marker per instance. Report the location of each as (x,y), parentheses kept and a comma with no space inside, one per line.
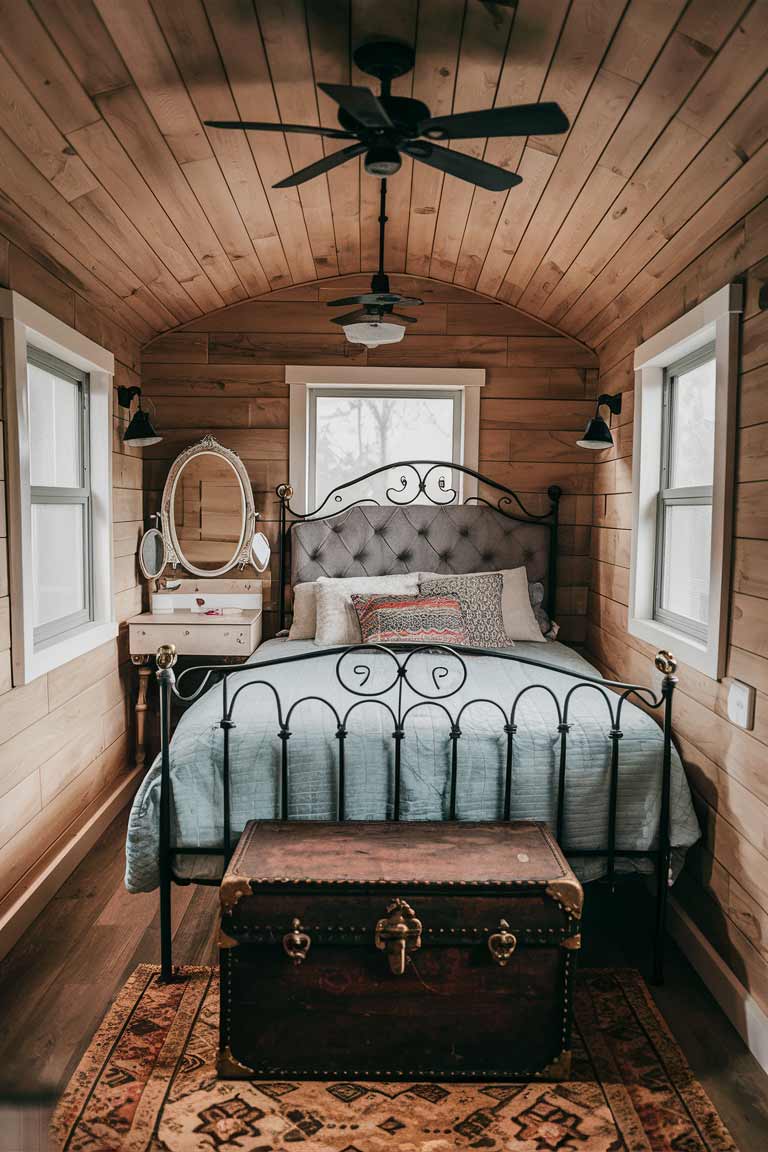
(692,445)
(55,457)
(687,540)
(59,576)
(355,434)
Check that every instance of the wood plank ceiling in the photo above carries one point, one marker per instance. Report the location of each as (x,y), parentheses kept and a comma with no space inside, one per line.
(108,176)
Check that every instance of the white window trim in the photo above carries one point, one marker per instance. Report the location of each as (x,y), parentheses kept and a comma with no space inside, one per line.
(25,323)
(301,378)
(714,320)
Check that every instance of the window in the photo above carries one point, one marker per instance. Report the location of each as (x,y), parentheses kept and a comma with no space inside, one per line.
(58,396)
(353,432)
(684,518)
(349,421)
(60,495)
(682,486)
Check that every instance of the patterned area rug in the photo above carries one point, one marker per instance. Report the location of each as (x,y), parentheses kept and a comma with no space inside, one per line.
(147,1084)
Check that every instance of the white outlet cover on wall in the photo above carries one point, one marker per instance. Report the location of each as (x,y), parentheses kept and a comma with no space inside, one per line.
(741,704)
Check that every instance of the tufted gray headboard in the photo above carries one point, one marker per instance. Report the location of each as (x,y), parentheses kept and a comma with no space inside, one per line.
(377,541)
(486,533)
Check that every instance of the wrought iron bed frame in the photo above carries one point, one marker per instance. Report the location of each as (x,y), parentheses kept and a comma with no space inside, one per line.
(406,697)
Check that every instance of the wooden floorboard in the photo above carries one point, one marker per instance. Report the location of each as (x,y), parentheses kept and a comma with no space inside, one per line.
(64,973)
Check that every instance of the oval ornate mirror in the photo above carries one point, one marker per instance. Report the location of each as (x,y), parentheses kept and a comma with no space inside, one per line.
(207,510)
(152,554)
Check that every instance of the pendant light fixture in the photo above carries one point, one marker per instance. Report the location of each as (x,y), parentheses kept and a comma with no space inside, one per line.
(597,434)
(376,322)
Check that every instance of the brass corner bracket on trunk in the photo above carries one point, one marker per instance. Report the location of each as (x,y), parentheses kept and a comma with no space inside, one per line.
(228,1065)
(232,890)
(572,943)
(569,894)
(559,1069)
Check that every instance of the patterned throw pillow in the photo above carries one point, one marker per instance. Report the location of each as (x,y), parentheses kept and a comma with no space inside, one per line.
(480,598)
(410,619)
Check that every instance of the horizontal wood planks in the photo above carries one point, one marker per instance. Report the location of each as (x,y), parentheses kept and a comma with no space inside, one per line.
(226,374)
(110,177)
(65,737)
(725,883)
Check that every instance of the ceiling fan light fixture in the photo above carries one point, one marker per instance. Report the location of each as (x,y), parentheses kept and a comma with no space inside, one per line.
(382,161)
(373,332)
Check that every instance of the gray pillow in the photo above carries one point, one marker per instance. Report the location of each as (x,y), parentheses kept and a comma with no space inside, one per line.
(479,595)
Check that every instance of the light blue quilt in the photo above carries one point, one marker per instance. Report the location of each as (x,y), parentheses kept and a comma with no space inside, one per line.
(196,755)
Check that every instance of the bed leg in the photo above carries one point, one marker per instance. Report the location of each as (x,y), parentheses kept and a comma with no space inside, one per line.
(165,659)
(666,664)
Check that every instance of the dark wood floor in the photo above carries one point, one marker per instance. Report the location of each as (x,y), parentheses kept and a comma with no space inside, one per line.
(61,977)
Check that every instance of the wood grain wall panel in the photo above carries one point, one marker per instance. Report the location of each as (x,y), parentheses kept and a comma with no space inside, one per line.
(725,882)
(232,384)
(63,736)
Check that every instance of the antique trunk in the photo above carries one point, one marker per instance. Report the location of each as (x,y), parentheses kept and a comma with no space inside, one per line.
(397,950)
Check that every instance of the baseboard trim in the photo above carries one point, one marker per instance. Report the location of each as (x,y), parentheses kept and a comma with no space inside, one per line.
(743,1011)
(20,914)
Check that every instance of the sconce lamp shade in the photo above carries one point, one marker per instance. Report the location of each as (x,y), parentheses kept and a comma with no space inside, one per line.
(597,435)
(140,432)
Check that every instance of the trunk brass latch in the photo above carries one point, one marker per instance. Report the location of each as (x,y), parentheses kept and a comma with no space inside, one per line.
(398,933)
(296,943)
(502,944)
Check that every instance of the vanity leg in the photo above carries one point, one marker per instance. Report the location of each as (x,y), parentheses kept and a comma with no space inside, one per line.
(145,671)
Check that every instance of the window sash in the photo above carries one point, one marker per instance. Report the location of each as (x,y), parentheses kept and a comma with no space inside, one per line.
(455,395)
(669,497)
(43,634)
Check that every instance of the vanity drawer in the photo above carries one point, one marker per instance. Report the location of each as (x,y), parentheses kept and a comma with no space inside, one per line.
(209,636)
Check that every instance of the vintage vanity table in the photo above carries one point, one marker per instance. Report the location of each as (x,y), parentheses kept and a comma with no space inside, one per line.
(207,528)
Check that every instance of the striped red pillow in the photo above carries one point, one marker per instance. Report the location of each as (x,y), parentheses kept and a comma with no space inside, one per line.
(410,619)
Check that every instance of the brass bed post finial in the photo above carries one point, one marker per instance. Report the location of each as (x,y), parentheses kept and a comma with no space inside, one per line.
(165,657)
(666,663)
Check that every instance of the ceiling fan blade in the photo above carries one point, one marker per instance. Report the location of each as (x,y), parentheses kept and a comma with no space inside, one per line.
(360,103)
(257,126)
(546,119)
(321,166)
(351,317)
(377,298)
(463,167)
(402,318)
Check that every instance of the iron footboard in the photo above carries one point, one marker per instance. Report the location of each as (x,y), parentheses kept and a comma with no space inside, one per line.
(408,686)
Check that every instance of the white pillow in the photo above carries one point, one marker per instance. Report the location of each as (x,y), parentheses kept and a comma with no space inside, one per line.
(304,612)
(337,621)
(520,623)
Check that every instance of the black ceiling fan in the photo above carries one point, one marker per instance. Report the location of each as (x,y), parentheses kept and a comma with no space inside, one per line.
(386,127)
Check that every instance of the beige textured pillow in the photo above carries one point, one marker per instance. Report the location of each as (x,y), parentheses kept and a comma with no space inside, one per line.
(337,621)
(520,622)
(304,612)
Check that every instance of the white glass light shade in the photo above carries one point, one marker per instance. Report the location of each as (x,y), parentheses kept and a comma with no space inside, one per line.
(374,332)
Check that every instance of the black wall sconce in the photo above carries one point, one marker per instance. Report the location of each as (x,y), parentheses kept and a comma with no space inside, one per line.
(140,432)
(597,434)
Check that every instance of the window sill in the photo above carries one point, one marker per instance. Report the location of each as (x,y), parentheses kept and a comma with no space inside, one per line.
(69,647)
(694,653)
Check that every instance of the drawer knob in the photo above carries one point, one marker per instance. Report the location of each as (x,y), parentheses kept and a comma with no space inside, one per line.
(502,944)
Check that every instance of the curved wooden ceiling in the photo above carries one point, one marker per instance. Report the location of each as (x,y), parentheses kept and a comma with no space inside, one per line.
(110,179)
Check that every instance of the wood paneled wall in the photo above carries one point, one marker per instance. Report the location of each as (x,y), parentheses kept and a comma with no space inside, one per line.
(724,886)
(225,374)
(65,737)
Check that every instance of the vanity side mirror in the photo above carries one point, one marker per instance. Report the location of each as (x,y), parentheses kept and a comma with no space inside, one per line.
(261,552)
(152,554)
